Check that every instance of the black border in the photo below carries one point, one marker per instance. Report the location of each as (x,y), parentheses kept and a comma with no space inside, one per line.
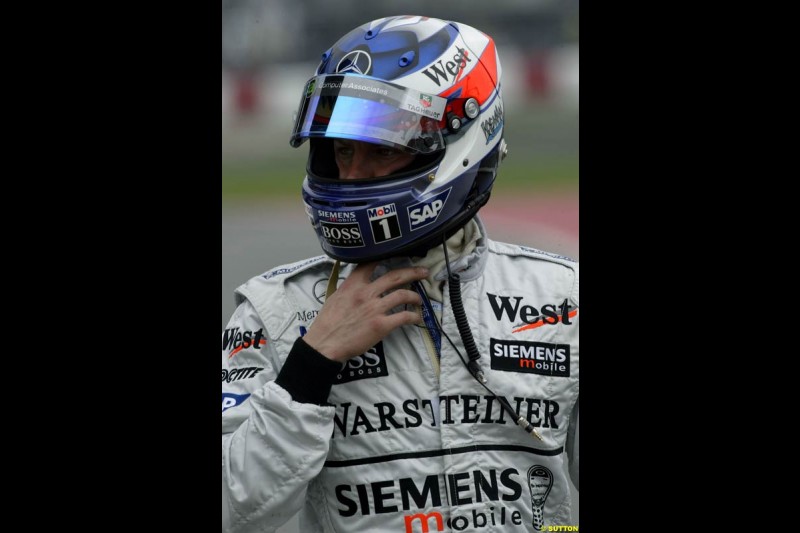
(125,270)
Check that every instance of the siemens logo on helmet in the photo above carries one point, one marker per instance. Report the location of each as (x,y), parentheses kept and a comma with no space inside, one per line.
(425,213)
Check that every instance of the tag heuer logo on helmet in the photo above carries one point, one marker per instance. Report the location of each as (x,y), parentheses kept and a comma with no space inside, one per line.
(310,87)
(425,100)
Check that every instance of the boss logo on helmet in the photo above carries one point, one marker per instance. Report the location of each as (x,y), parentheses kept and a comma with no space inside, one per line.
(342,235)
(425,213)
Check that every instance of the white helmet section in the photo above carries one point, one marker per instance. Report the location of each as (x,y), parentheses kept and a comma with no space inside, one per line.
(471,50)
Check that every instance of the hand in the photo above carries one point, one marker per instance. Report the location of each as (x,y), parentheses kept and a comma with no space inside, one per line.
(355,317)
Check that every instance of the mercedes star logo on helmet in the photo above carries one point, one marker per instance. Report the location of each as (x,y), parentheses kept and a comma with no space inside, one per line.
(357,61)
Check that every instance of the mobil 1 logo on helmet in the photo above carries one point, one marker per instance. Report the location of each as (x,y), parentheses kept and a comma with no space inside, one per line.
(384,223)
(426,212)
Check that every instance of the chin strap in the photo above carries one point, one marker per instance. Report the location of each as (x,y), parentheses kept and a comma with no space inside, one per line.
(332,281)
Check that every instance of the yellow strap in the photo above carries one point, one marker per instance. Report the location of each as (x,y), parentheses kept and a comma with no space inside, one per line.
(332,281)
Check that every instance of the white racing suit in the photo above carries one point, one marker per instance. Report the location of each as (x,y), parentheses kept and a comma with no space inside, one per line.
(400,439)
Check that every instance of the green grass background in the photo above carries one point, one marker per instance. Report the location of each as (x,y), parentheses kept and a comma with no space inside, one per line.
(542,156)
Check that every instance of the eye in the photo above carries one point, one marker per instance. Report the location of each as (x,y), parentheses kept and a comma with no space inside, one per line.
(343,150)
(386,152)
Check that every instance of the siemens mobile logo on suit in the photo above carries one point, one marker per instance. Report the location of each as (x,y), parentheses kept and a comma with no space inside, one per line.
(495,495)
(530,357)
(543,358)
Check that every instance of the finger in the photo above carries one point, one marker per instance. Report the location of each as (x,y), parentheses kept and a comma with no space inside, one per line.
(401,318)
(398,278)
(400,297)
(363,272)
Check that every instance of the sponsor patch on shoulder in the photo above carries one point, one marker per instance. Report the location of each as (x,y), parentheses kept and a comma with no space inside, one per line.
(529,357)
(235,340)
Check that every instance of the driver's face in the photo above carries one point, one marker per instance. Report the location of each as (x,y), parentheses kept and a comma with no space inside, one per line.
(357,159)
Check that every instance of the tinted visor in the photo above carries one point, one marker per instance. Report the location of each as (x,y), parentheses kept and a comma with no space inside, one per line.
(355,107)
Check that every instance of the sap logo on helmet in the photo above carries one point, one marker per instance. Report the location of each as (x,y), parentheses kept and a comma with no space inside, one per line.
(358,61)
(232,400)
(425,213)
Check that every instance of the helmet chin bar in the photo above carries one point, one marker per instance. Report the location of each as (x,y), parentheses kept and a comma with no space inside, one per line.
(475,200)
(420,249)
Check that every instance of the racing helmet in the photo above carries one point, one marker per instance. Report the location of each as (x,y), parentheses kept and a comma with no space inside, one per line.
(419,84)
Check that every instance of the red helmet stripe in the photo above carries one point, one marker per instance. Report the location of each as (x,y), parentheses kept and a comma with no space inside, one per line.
(480,83)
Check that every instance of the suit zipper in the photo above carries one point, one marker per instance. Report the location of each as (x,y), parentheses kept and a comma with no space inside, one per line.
(431,336)
(429,345)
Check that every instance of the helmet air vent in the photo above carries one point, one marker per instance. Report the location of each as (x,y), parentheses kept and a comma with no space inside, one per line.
(406,59)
